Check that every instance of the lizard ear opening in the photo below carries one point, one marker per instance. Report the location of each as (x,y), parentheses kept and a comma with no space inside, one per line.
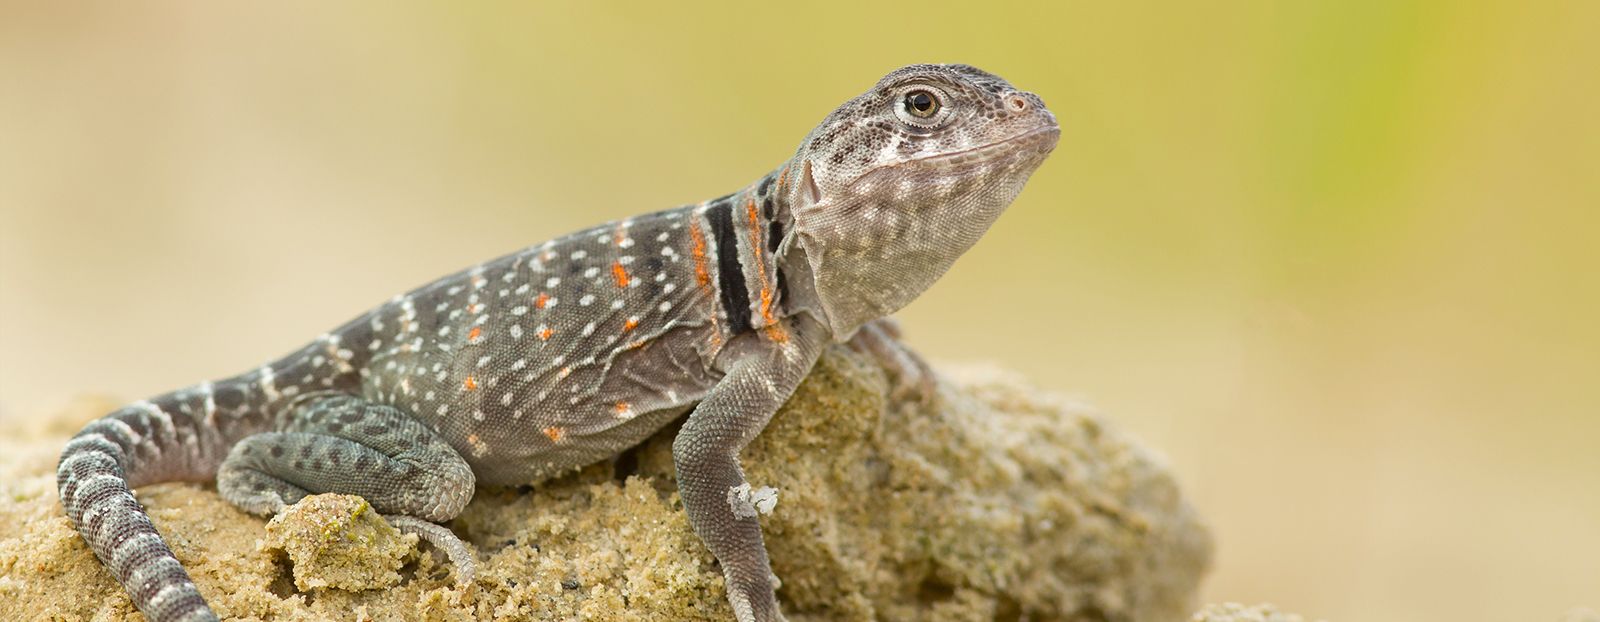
(809,184)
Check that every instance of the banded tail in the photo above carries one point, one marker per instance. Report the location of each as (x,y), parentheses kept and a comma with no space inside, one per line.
(180,436)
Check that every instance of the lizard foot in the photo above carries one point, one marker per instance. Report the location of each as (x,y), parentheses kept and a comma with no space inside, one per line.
(910,377)
(460,555)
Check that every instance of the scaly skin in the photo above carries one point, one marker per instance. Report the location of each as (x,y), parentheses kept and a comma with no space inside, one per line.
(568,352)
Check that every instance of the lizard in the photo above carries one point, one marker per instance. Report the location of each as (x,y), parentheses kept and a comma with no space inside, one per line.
(566,353)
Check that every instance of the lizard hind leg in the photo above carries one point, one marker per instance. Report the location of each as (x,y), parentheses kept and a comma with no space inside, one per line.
(344,444)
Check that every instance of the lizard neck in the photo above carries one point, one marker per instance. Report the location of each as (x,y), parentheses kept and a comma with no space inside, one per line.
(763,276)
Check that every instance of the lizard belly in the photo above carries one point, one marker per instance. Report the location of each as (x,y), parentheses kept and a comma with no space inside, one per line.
(557,356)
(531,423)
(581,414)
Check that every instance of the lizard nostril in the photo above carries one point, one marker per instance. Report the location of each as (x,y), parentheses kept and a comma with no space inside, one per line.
(1017,102)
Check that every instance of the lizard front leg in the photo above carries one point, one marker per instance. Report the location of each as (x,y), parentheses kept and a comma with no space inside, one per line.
(910,376)
(763,369)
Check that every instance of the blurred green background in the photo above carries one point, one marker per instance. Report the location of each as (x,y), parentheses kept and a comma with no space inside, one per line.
(1335,260)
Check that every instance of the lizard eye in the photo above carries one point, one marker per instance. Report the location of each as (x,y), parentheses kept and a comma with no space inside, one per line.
(922,107)
(921,103)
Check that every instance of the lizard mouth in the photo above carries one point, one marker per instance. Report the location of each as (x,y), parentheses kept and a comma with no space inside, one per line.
(1042,138)
(1037,143)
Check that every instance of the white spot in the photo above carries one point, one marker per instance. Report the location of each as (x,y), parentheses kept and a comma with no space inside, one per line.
(443,408)
(444,331)
(661,276)
(591,273)
(522,289)
(519,364)
(747,503)
(477,415)
(579,254)
(665,306)
(483,360)
(586,300)
(667,289)
(519,309)
(625,260)
(663,237)
(588,329)
(626,243)
(552,281)
(505,400)
(516,331)
(616,304)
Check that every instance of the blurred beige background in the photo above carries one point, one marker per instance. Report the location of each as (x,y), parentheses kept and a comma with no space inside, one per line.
(1336,260)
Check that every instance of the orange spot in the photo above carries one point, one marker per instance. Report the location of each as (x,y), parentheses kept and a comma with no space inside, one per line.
(773,331)
(620,235)
(544,335)
(783,177)
(473,308)
(473,334)
(555,433)
(541,301)
(702,273)
(620,274)
(630,325)
(622,407)
(479,281)
(471,384)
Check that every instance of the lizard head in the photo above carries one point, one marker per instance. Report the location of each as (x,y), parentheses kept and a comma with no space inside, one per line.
(898,182)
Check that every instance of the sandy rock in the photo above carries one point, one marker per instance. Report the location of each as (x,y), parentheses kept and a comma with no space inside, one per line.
(990,503)
(338,541)
(1235,612)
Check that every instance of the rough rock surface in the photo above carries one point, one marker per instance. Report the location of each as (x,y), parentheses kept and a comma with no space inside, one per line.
(991,502)
(337,541)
